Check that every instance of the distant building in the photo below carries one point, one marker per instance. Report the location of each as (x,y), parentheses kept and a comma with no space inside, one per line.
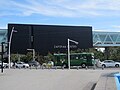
(3,36)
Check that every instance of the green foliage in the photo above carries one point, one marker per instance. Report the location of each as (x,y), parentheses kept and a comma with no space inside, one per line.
(20,57)
(114,53)
(14,57)
(50,56)
(40,59)
(97,54)
(29,56)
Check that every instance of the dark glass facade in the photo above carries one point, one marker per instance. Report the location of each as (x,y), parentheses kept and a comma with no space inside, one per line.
(49,38)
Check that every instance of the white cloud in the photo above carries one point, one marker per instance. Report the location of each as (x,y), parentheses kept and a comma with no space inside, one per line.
(98,30)
(107,30)
(116,26)
(3,27)
(61,8)
(90,7)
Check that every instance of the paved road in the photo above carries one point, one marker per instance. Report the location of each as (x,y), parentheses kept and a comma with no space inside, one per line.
(26,79)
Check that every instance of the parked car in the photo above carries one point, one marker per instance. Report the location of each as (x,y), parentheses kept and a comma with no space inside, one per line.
(21,65)
(33,63)
(5,65)
(110,63)
(117,61)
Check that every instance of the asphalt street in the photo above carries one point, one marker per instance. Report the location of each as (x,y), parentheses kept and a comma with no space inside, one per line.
(51,79)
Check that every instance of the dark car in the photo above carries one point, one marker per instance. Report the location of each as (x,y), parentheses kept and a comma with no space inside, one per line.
(33,63)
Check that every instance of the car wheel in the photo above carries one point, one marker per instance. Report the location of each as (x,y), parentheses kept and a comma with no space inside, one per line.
(23,66)
(104,65)
(83,65)
(116,65)
(16,66)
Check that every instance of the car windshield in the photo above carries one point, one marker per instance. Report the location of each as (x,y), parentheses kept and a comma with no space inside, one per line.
(20,63)
(110,61)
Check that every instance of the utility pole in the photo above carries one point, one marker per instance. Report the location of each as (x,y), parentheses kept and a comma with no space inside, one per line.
(2,56)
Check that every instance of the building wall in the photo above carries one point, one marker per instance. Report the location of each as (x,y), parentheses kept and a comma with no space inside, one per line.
(49,38)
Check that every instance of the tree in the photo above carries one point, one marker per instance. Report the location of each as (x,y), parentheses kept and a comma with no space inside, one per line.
(14,57)
(114,53)
(97,54)
(50,56)
(29,56)
(40,59)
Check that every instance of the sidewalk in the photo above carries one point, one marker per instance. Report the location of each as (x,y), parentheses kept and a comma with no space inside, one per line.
(106,82)
(52,79)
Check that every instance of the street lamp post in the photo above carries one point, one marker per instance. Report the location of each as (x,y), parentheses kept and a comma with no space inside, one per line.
(69,40)
(33,50)
(2,53)
(9,46)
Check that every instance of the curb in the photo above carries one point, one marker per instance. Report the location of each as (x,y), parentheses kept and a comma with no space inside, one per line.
(106,82)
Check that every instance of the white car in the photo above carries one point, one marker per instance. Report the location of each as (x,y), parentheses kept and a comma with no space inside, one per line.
(5,65)
(21,65)
(110,63)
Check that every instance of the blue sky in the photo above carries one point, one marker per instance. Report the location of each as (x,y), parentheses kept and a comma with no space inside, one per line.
(102,15)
